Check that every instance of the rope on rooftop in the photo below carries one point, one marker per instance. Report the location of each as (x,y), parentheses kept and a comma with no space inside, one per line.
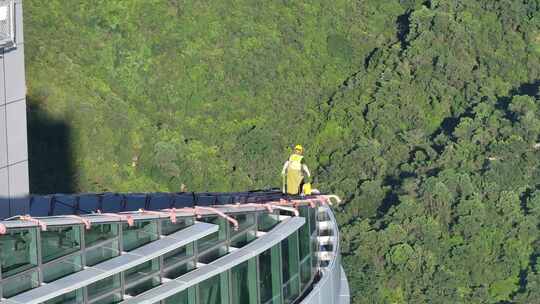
(289,205)
(223,215)
(282,204)
(328,199)
(28,218)
(312,202)
(289,209)
(266,205)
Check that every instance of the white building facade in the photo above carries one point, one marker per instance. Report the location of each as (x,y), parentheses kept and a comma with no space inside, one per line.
(14,180)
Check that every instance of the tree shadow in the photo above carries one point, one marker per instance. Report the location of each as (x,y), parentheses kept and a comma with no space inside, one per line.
(403,24)
(50,156)
(530,89)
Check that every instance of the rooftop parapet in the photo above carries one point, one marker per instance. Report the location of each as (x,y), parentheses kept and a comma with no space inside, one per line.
(170,254)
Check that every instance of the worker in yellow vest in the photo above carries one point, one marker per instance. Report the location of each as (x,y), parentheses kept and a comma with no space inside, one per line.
(295,173)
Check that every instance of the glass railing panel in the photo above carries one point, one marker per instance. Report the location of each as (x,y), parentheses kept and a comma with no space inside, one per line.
(143,285)
(60,241)
(142,277)
(212,255)
(74,297)
(113,298)
(306,249)
(18,251)
(178,255)
(142,271)
(322,217)
(102,252)
(58,269)
(99,233)
(290,268)
(214,238)
(290,289)
(269,276)
(179,262)
(314,248)
(267,221)
(243,239)
(244,283)
(304,234)
(96,291)
(175,271)
(312,220)
(246,221)
(168,227)
(214,290)
(20,283)
(307,272)
(141,233)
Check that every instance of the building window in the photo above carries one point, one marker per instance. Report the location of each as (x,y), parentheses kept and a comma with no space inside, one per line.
(105,291)
(100,233)
(269,276)
(142,277)
(216,237)
(179,262)
(246,230)
(290,261)
(56,270)
(7,24)
(246,221)
(102,253)
(60,241)
(307,271)
(244,283)
(168,227)
(267,221)
(20,283)
(179,270)
(212,254)
(18,251)
(243,239)
(112,298)
(312,220)
(102,243)
(185,297)
(74,297)
(214,290)
(141,233)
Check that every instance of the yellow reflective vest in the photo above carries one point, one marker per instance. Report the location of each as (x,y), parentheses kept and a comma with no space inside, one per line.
(294,174)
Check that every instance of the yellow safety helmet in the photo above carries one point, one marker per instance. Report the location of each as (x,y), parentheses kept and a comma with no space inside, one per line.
(299,148)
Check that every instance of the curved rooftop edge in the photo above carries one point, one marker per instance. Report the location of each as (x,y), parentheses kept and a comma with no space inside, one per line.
(257,247)
(333,287)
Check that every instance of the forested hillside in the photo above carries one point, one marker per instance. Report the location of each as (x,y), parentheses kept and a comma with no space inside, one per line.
(423,115)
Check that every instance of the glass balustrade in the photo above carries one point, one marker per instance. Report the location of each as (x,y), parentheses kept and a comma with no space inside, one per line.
(74,297)
(18,251)
(279,275)
(141,233)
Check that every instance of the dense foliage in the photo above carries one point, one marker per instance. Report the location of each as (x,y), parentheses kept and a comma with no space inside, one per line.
(423,115)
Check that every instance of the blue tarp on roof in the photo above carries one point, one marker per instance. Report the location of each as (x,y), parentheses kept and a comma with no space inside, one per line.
(87,203)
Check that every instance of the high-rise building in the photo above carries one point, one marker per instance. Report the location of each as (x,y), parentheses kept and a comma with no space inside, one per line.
(172,248)
(13,145)
(169,248)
